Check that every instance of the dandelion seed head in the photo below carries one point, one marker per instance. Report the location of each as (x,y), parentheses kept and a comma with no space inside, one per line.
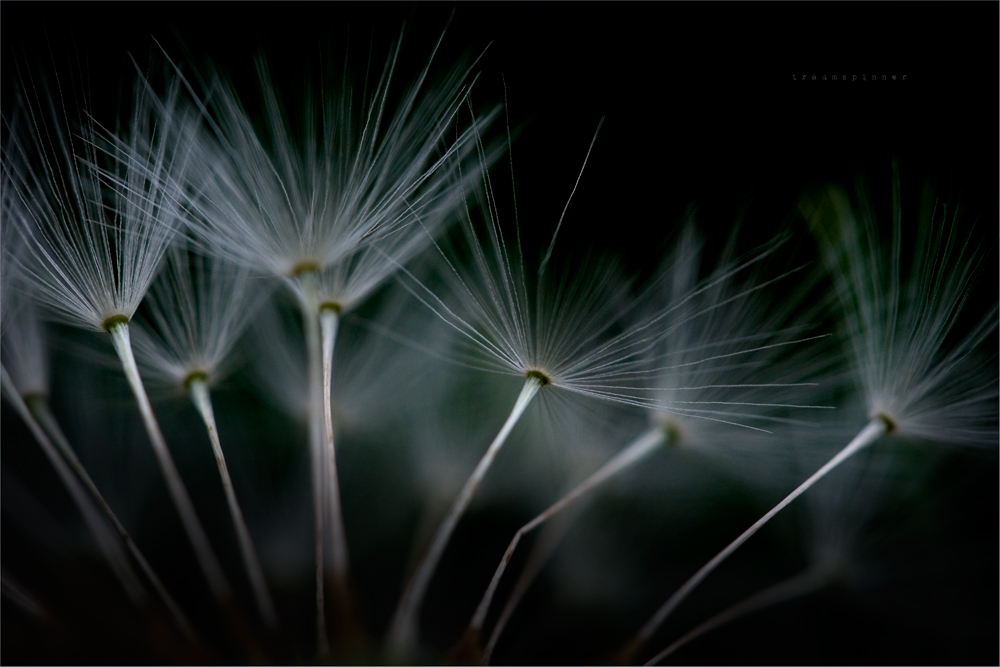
(540,375)
(735,369)
(560,325)
(197,310)
(350,192)
(924,376)
(99,208)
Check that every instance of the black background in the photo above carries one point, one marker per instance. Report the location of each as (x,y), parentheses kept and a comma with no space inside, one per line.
(704,106)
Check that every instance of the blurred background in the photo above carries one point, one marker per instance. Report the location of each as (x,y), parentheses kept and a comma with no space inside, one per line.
(706,113)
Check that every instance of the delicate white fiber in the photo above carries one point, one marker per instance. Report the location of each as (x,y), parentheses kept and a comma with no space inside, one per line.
(99,210)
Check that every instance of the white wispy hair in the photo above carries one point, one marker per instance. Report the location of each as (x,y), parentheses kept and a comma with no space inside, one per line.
(358,174)
(513,318)
(585,330)
(24,344)
(901,316)
(734,355)
(99,207)
(8,238)
(198,308)
(346,283)
(561,328)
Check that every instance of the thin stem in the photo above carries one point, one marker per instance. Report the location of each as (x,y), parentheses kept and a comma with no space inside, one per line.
(110,547)
(640,448)
(40,409)
(27,602)
(178,493)
(309,282)
(801,584)
(875,429)
(403,632)
(329,319)
(203,402)
(547,542)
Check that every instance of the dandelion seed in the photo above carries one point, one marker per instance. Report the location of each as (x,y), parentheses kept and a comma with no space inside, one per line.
(95,235)
(25,353)
(519,333)
(357,193)
(706,385)
(557,332)
(913,381)
(199,312)
(23,349)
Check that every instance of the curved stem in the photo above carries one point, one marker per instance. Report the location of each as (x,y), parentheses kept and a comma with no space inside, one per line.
(309,282)
(210,566)
(403,632)
(110,547)
(40,409)
(640,448)
(802,584)
(547,542)
(22,598)
(203,402)
(875,429)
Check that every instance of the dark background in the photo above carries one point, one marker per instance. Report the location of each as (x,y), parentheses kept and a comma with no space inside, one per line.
(704,107)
